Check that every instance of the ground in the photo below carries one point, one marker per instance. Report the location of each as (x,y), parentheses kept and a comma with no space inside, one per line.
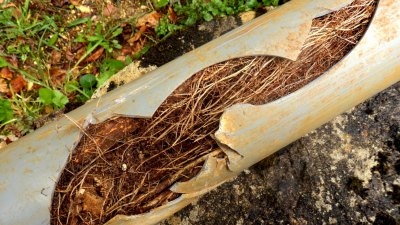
(345,172)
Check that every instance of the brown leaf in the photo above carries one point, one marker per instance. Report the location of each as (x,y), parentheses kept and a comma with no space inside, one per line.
(17,13)
(95,55)
(14,61)
(69,55)
(75,2)
(121,58)
(126,50)
(86,15)
(138,34)
(17,84)
(77,47)
(57,75)
(6,73)
(172,15)
(150,20)
(55,57)
(109,10)
(80,53)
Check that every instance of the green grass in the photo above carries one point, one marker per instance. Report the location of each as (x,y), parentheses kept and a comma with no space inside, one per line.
(30,35)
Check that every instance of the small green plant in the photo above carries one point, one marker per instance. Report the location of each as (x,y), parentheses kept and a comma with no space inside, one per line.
(97,37)
(19,23)
(108,68)
(6,110)
(53,97)
(165,27)
(162,3)
(89,82)
(199,9)
(141,52)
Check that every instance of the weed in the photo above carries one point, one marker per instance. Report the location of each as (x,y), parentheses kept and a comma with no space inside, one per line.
(141,52)
(199,9)
(98,38)
(165,27)
(87,82)
(5,110)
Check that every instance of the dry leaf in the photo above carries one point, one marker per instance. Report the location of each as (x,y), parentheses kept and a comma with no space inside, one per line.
(17,84)
(57,75)
(77,47)
(75,2)
(86,15)
(6,73)
(150,20)
(126,50)
(121,58)
(69,56)
(172,15)
(17,13)
(109,10)
(138,34)
(80,53)
(95,55)
(55,57)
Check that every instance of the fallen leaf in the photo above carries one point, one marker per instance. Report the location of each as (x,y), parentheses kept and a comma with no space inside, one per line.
(69,56)
(95,55)
(80,53)
(150,20)
(55,57)
(86,15)
(138,34)
(8,141)
(172,15)
(109,10)
(126,50)
(19,39)
(75,2)
(124,24)
(17,84)
(121,58)
(6,73)
(77,47)
(57,75)
(17,13)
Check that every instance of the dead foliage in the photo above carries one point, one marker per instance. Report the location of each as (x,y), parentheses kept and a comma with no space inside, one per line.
(129,163)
